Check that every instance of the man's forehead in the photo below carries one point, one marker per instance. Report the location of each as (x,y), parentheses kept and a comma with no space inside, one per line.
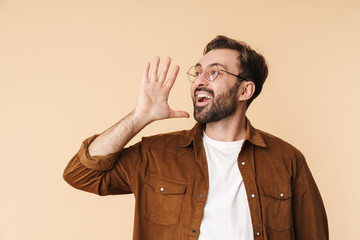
(214,63)
(222,57)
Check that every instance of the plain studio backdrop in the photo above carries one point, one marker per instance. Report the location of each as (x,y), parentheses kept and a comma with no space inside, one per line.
(72,68)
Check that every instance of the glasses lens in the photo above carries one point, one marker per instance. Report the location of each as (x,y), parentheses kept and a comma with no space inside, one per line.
(193,73)
(211,72)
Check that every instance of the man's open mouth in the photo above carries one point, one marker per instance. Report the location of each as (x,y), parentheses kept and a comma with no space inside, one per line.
(203,98)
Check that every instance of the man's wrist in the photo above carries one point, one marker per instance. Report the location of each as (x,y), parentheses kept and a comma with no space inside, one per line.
(140,118)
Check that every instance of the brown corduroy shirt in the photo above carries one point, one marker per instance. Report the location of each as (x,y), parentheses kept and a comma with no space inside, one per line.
(169,178)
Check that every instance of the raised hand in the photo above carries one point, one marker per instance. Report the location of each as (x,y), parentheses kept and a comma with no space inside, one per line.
(154,93)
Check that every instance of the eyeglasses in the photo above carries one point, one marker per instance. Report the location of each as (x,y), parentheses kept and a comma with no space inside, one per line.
(211,73)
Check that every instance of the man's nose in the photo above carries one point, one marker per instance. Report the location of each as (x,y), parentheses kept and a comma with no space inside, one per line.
(201,80)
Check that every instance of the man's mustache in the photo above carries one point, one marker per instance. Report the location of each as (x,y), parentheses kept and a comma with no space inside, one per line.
(204,89)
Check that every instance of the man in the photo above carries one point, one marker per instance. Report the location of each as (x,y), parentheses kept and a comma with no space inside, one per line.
(223,179)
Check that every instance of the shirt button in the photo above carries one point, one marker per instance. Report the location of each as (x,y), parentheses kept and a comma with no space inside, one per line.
(193,231)
(281,195)
(243,163)
(252,195)
(162,189)
(258,234)
(201,196)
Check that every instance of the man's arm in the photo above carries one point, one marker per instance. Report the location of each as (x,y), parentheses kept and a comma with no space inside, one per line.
(310,220)
(99,166)
(152,105)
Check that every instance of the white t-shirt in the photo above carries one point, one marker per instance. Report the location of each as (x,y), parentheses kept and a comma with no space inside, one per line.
(226,214)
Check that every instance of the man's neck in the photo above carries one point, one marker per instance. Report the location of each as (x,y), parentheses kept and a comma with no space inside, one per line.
(229,129)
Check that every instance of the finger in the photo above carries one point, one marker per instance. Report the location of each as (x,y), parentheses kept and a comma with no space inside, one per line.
(179,114)
(171,80)
(153,76)
(146,73)
(165,69)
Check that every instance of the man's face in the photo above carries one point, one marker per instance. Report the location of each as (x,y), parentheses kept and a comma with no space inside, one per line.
(216,100)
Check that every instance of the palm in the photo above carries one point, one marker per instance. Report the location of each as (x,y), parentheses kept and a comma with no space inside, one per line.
(154,93)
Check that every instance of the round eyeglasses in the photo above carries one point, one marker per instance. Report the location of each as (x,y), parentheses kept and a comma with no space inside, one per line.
(211,73)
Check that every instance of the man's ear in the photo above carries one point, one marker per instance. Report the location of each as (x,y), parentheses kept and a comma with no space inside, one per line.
(247,89)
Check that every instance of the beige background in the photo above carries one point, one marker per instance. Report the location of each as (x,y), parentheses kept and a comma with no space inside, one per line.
(71,68)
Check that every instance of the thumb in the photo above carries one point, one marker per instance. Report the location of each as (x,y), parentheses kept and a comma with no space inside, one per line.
(179,114)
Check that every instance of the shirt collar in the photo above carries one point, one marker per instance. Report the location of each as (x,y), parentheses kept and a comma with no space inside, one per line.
(252,135)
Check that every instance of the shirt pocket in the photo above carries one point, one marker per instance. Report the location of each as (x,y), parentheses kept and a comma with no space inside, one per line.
(164,199)
(277,206)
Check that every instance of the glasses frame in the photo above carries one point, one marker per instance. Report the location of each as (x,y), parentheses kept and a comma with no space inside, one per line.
(219,69)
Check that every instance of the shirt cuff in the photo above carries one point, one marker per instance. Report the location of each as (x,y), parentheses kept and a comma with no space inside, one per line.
(95,162)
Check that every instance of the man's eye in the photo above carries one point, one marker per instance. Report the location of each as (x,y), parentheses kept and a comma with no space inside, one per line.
(197,74)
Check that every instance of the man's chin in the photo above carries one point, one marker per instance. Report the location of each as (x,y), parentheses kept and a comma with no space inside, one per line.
(199,120)
(198,116)
(201,113)
(201,117)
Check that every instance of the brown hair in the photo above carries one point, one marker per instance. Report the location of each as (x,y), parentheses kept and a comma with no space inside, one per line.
(252,64)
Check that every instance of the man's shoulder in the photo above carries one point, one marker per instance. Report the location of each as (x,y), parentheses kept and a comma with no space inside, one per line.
(166,139)
(278,145)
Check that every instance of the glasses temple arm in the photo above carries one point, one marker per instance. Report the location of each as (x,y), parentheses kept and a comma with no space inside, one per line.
(238,76)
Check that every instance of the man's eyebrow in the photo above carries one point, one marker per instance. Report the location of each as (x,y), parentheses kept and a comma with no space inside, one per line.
(221,65)
(215,63)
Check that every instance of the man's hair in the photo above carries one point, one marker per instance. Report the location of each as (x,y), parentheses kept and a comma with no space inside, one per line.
(252,64)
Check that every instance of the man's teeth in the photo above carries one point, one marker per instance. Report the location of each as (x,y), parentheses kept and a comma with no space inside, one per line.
(203,96)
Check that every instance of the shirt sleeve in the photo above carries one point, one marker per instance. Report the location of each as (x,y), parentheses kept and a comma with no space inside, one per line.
(103,175)
(310,220)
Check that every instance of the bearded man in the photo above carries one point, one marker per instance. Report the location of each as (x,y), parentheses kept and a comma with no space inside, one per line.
(223,179)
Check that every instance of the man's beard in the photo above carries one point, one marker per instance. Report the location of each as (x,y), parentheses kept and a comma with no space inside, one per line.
(224,105)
